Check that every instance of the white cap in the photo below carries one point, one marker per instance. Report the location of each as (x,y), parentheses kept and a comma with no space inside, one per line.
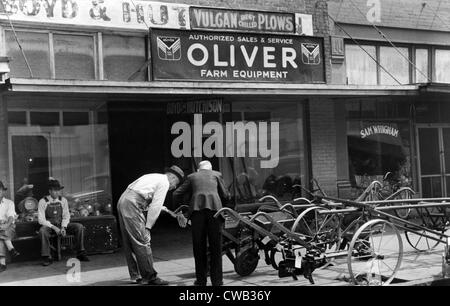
(204,165)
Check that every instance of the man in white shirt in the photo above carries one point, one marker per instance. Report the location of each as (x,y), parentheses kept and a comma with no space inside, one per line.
(147,193)
(7,227)
(54,216)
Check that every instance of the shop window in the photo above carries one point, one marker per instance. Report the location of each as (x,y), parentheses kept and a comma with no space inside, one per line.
(75,153)
(74,57)
(44,118)
(123,56)
(17,118)
(442,66)
(396,64)
(361,68)
(376,148)
(251,180)
(422,66)
(75,118)
(36,49)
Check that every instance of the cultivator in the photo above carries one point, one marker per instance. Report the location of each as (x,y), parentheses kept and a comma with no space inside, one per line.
(298,239)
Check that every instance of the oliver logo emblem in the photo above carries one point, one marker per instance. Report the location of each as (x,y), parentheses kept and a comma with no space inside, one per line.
(169,48)
(310,53)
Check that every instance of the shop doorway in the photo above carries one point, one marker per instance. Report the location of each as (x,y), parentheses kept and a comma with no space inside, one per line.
(30,162)
(434,160)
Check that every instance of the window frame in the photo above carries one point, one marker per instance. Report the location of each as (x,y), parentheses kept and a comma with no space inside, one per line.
(411,55)
(97,36)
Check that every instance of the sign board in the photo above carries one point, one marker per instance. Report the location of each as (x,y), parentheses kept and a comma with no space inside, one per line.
(125,14)
(212,56)
(203,18)
(141,15)
(195,107)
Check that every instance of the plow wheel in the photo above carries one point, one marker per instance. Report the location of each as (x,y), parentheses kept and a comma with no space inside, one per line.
(432,218)
(375,254)
(246,261)
(321,229)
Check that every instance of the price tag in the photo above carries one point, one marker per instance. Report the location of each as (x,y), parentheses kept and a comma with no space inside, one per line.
(265,240)
(298,259)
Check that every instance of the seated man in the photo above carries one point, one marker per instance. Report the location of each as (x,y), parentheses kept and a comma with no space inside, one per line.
(7,227)
(54,216)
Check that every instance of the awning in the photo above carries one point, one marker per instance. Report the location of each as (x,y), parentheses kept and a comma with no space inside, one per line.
(18,85)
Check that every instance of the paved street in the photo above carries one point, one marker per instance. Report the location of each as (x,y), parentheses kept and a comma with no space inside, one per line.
(174,262)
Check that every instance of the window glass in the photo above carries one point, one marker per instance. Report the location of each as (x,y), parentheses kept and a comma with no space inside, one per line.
(77,155)
(442,66)
(36,49)
(44,118)
(361,69)
(422,66)
(396,64)
(261,160)
(74,57)
(17,118)
(123,56)
(75,118)
(376,148)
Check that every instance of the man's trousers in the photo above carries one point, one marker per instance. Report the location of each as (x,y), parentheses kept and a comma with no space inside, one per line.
(135,236)
(207,229)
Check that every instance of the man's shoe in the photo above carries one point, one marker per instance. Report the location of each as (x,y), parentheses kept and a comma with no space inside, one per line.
(14,253)
(2,268)
(83,257)
(47,261)
(218,284)
(138,281)
(156,282)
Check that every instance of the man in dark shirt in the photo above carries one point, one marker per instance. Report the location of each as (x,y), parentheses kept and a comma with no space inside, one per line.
(207,190)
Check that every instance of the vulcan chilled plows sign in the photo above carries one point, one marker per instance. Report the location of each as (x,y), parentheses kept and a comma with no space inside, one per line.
(243,21)
(211,56)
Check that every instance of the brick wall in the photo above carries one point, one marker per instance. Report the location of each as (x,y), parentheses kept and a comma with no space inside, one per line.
(323,144)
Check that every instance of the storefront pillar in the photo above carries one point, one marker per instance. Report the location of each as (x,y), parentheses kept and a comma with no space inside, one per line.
(323,144)
(4,163)
(343,182)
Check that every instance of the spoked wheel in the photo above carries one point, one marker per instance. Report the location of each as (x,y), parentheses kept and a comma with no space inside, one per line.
(375,254)
(321,229)
(432,218)
(246,261)
(402,194)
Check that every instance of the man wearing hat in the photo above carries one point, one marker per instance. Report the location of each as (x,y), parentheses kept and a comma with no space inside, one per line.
(7,227)
(147,193)
(54,216)
(207,190)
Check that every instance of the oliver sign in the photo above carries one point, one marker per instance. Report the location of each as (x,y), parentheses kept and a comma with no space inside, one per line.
(212,56)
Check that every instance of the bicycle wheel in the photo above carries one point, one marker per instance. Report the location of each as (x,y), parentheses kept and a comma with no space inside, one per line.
(375,254)
(402,194)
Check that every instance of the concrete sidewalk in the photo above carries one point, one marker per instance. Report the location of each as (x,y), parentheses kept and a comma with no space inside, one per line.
(173,260)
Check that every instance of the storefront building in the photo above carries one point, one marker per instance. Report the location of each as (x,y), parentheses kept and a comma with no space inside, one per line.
(396,43)
(99,99)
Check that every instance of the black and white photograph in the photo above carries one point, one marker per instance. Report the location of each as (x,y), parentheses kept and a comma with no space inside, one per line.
(243,144)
